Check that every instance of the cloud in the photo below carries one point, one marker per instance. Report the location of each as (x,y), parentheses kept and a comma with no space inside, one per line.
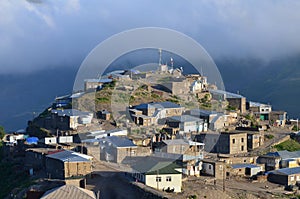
(41,33)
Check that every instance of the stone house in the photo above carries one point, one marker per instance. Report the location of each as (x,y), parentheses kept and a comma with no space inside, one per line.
(187,123)
(116,149)
(68,119)
(92,84)
(285,176)
(278,118)
(177,86)
(187,153)
(35,158)
(280,159)
(68,164)
(262,111)
(235,100)
(245,169)
(226,143)
(254,140)
(215,120)
(213,168)
(104,115)
(152,113)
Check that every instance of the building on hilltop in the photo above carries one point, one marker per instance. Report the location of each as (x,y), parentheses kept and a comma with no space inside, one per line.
(149,114)
(262,111)
(68,119)
(187,123)
(235,100)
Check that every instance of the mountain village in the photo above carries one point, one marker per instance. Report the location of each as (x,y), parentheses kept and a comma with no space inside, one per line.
(157,134)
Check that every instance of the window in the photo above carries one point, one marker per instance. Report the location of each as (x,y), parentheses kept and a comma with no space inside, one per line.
(242,140)
(168,178)
(242,148)
(158,179)
(233,141)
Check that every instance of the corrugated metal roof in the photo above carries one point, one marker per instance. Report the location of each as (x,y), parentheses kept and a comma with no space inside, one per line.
(285,154)
(286,171)
(176,142)
(119,141)
(186,118)
(237,166)
(70,156)
(225,93)
(68,192)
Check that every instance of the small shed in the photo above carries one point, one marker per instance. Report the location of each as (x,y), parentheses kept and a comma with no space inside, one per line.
(245,169)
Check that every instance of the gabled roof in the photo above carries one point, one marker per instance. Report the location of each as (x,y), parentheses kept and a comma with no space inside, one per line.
(165,105)
(152,165)
(185,118)
(285,154)
(70,156)
(119,141)
(286,171)
(68,192)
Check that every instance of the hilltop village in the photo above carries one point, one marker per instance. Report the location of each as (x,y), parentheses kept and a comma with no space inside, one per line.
(157,134)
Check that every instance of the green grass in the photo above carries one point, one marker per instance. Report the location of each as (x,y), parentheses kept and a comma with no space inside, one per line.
(290,145)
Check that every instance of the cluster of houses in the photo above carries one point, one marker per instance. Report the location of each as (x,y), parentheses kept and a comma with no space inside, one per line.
(190,142)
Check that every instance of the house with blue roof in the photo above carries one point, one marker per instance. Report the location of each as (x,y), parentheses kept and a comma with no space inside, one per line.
(285,176)
(280,159)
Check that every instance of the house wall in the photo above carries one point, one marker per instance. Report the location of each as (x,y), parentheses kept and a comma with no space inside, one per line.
(224,143)
(34,160)
(278,179)
(150,180)
(238,143)
(55,169)
(178,149)
(215,169)
(77,168)
(271,163)
(239,103)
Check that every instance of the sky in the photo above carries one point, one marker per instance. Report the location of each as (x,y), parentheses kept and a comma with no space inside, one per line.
(46,40)
(41,33)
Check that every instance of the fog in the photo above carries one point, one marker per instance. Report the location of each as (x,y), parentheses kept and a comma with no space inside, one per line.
(36,34)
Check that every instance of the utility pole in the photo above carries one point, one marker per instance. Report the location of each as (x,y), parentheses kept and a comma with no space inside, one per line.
(224,172)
